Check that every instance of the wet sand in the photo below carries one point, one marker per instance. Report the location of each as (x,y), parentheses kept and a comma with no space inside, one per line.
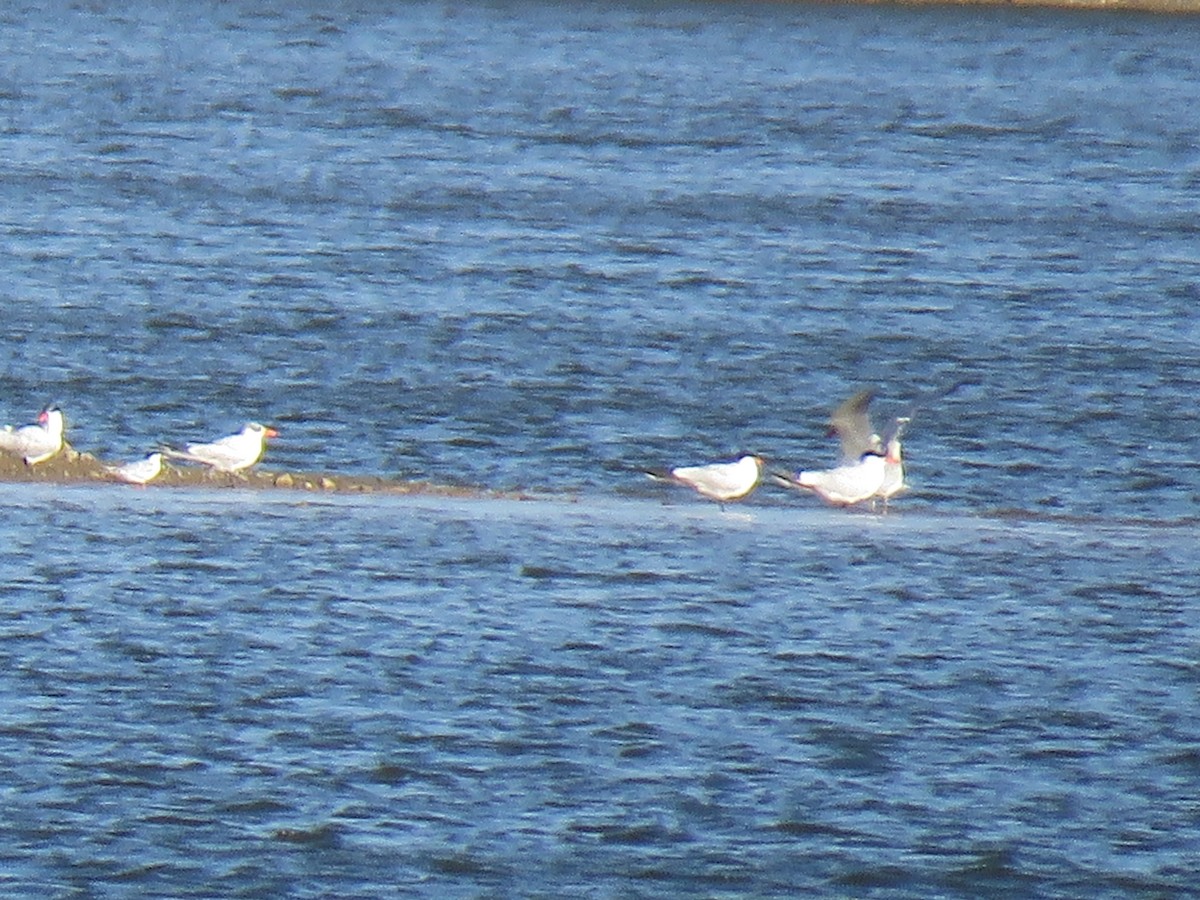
(73,467)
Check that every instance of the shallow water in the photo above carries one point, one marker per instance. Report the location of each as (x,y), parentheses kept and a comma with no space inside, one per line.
(526,698)
(512,244)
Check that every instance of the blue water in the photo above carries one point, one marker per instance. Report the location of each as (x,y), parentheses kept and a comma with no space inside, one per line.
(527,245)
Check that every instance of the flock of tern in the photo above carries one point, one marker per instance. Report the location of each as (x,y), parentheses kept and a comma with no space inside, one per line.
(43,440)
(871,466)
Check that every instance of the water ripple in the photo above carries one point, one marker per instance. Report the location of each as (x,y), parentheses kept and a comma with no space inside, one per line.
(515,246)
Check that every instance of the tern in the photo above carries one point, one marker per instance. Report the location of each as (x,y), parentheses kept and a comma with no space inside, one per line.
(870,467)
(229,454)
(139,471)
(845,485)
(37,442)
(893,465)
(851,422)
(723,482)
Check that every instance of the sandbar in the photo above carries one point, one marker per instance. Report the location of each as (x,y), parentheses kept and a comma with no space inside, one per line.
(72,467)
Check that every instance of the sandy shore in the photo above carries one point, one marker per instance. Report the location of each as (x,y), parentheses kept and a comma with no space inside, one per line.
(72,467)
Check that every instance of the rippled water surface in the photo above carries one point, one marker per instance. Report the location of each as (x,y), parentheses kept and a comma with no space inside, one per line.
(525,245)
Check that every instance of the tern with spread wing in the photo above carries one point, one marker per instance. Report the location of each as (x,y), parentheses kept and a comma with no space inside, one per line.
(870,467)
(229,454)
(723,482)
(37,442)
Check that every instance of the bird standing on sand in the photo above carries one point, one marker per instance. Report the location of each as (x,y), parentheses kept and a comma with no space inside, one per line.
(723,482)
(870,468)
(36,442)
(229,454)
(893,465)
(140,471)
(843,486)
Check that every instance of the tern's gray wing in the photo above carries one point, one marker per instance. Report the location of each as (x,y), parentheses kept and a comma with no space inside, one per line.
(852,424)
(896,429)
(931,396)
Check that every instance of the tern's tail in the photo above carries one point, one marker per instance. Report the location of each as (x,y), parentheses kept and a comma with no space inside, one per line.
(170,452)
(785,479)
